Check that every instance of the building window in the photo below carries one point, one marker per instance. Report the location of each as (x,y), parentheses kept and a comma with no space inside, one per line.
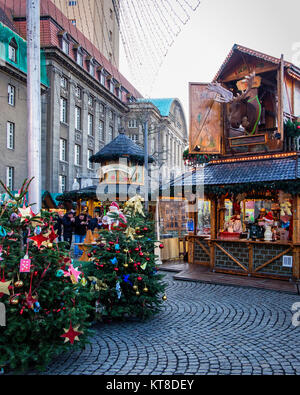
(112,87)
(77,156)
(134,138)
(90,125)
(10,128)
(78,92)
(63,150)
(91,101)
(63,110)
(110,133)
(72,3)
(64,83)
(101,108)
(89,155)
(11,95)
(132,124)
(62,183)
(111,115)
(102,79)
(10,173)
(73,21)
(101,131)
(80,59)
(92,69)
(77,118)
(65,46)
(12,51)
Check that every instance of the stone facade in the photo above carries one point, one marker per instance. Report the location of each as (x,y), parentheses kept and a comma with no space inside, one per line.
(96,19)
(105,109)
(167,132)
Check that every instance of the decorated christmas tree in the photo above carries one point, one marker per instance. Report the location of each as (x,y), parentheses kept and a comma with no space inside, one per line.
(124,277)
(46,299)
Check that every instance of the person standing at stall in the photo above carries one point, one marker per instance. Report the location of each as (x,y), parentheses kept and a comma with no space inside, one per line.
(68,222)
(80,230)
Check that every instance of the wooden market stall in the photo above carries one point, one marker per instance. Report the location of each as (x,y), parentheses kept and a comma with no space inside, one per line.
(245,151)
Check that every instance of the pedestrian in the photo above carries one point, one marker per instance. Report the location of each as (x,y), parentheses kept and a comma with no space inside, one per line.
(58,226)
(68,222)
(80,230)
(92,223)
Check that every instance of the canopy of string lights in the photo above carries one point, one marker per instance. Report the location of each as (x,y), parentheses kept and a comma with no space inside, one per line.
(148,29)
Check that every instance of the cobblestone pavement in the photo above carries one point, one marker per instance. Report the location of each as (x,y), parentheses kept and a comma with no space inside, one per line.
(202,329)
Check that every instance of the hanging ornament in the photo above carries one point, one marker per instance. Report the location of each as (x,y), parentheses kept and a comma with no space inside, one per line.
(19,284)
(25,264)
(4,287)
(146,289)
(38,240)
(164,298)
(114,261)
(25,212)
(14,300)
(135,287)
(36,307)
(118,289)
(83,282)
(71,334)
(144,266)
(3,232)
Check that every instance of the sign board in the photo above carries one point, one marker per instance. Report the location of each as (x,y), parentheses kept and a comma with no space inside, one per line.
(206,120)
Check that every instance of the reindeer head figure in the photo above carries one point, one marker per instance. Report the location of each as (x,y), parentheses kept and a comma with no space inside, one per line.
(243,111)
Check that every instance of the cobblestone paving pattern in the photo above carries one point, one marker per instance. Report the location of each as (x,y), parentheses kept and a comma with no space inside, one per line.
(202,329)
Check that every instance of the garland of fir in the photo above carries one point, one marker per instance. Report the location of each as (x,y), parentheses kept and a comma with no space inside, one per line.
(197,159)
(292,129)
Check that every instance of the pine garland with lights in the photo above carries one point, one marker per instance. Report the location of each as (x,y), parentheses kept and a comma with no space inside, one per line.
(47,306)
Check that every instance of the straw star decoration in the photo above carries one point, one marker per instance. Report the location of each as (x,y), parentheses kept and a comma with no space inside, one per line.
(71,334)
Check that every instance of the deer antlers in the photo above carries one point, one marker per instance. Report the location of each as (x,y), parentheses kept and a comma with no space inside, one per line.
(226,96)
(223,94)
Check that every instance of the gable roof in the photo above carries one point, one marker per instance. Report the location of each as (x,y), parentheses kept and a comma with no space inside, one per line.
(244,50)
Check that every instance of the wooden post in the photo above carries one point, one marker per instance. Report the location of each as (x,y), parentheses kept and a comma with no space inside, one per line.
(213,219)
(296,237)
(250,268)
(221,213)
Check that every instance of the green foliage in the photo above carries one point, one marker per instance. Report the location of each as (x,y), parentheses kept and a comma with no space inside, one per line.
(292,129)
(32,335)
(127,263)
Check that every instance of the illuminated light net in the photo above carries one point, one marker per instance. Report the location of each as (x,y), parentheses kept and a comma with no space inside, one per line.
(148,29)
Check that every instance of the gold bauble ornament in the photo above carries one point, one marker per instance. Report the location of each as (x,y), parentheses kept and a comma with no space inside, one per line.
(14,301)
(164,298)
(49,245)
(137,293)
(126,265)
(19,284)
(135,287)
(145,289)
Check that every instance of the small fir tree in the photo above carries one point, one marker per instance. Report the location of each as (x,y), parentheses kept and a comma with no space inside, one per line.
(122,270)
(47,305)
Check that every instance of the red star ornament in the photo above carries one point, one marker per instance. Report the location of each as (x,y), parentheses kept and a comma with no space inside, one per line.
(52,235)
(71,334)
(39,240)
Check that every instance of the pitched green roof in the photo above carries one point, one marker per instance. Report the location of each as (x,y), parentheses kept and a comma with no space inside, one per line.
(163,105)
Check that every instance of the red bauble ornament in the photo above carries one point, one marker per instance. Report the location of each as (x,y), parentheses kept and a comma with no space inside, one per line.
(161,246)
(136,249)
(145,229)
(116,269)
(141,254)
(140,279)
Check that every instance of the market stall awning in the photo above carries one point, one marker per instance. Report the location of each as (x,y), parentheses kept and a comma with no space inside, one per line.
(246,173)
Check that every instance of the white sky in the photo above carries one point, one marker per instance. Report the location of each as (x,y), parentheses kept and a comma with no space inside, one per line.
(269,26)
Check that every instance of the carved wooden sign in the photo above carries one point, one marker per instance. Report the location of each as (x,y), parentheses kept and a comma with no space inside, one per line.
(206,125)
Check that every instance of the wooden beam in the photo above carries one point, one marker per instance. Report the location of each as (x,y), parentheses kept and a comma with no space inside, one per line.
(232,257)
(273,259)
(203,247)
